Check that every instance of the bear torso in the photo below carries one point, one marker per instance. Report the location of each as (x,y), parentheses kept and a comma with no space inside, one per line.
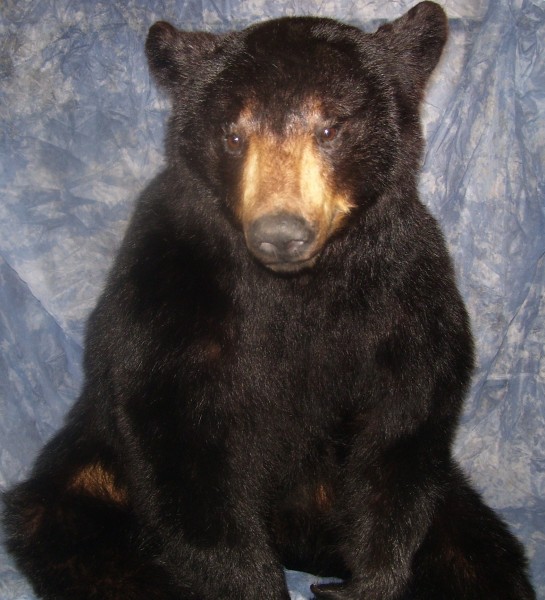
(285,369)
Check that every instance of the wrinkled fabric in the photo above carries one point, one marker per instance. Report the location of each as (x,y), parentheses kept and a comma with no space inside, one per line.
(81,131)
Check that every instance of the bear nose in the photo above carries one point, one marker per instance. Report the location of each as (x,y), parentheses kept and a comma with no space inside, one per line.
(282,237)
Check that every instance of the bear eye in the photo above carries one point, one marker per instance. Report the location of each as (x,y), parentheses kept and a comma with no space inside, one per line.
(325,135)
(233,142)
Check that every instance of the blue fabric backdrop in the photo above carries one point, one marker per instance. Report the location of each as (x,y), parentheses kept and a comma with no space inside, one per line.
(81,130)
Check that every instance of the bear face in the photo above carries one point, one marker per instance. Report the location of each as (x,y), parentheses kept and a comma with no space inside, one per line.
(293,146)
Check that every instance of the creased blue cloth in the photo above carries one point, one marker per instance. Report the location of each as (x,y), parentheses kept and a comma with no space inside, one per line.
(81,130)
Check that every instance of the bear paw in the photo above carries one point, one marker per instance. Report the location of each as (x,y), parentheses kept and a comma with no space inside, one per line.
(332,591)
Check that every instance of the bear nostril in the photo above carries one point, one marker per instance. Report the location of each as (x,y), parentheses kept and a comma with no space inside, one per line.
(268,248)
(295,246)
(279,247)
(281,237)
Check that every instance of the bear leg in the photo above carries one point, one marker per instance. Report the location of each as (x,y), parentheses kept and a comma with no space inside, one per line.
(469,554)
(78,539)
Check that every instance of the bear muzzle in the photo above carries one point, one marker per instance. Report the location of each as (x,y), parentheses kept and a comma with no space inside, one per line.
(289,201)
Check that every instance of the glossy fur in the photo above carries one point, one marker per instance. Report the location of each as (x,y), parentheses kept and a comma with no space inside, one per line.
(238,417)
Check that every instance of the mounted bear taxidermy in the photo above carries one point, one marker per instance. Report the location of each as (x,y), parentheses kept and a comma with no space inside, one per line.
(277,364)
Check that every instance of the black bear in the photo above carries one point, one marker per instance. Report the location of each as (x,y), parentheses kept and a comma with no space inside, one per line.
(275,370)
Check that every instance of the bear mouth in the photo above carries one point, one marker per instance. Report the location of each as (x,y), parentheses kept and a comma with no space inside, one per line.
(292,268)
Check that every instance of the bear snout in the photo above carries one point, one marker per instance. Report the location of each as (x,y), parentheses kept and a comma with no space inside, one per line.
(282,240)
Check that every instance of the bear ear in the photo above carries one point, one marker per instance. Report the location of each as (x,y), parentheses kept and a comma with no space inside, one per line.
(174,56)
(416,40)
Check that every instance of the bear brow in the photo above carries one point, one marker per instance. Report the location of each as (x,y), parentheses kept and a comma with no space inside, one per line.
(262,119)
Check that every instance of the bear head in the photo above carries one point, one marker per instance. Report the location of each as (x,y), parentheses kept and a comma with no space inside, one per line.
(296,124)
